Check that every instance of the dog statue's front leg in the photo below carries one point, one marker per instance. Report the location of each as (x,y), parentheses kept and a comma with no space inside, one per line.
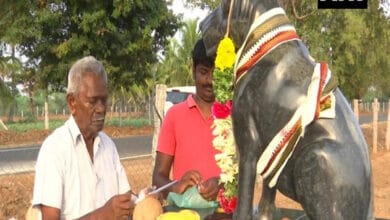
(246,179)
(266,206)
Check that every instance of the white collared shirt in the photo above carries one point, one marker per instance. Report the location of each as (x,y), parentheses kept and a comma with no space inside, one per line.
(66,178)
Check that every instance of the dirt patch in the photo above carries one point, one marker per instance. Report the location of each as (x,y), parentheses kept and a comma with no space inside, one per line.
(16,190)
(14,138)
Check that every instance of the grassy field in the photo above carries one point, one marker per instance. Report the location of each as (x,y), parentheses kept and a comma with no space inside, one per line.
(56,122)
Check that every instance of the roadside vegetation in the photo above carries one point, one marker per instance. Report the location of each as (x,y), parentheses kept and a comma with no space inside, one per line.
(55,123)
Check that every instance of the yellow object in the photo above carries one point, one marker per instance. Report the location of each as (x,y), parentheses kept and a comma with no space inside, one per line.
(147,209)
(226,54)
(219,210)
(184,214)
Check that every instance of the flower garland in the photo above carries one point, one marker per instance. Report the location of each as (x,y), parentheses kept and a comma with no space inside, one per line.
(222,125)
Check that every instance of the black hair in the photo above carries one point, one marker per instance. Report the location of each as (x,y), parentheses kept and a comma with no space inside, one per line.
(199,55)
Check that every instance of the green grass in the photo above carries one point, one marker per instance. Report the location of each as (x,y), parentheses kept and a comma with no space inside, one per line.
(128,122)
(53,124)
(38,125)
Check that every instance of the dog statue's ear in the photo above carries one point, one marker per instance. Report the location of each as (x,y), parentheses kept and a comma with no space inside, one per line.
(225,6)
(213,27)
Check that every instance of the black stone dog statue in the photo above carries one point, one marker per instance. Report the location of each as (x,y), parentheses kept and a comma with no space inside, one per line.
(284,100)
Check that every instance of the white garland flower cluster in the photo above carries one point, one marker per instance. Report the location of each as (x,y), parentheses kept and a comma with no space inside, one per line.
(226,160)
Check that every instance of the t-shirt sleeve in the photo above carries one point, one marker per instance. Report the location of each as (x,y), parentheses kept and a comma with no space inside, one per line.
(48,184)
(166,140)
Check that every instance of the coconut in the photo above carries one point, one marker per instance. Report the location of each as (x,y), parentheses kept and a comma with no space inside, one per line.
(147,209)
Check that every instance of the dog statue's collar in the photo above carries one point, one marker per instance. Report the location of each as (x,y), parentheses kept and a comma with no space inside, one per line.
(267,32)
(319,103)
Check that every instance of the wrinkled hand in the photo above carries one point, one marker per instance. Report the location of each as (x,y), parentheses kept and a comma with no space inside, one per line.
(190,178)
(209,189)
(119,207)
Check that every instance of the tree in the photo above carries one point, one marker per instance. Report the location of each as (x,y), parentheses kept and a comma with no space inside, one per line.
(342,38)
(9,66)
(124,35)
(355,43)
(203,4)
(377,48)
(176,69)
(16,24)
(116,32)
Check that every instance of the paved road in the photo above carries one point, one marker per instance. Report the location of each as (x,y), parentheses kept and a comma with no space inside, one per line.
(16,160)
(365,119)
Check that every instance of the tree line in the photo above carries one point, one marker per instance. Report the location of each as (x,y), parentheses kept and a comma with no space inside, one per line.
(50,35)
(354,42)
(135,40)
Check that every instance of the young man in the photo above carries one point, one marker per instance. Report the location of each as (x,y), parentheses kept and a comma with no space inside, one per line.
(185,140)
(78,171)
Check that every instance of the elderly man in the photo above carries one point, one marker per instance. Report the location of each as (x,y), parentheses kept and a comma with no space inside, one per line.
(78,171)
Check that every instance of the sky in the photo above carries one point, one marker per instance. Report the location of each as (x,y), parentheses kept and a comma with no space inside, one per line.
(188,13)
(178,7)
(385,5)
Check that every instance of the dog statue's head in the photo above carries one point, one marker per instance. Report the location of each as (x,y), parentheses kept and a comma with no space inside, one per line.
(243,13)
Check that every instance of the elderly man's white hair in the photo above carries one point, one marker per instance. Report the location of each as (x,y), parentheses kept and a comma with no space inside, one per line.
(86,65)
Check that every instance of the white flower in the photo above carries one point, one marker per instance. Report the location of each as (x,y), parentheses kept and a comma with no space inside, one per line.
(224,142)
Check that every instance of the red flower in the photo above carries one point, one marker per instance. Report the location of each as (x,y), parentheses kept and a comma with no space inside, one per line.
(228,205)
(221,111)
